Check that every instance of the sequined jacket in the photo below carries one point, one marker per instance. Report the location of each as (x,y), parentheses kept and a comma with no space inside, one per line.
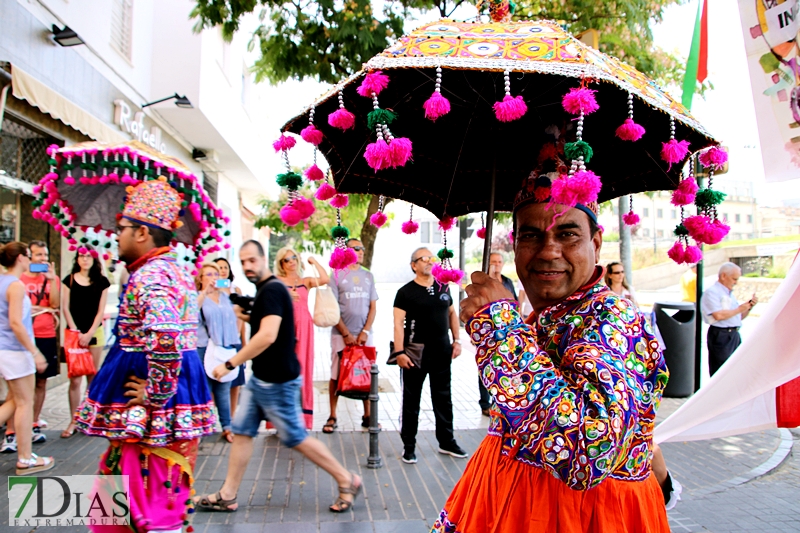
(158,314)
(577,391)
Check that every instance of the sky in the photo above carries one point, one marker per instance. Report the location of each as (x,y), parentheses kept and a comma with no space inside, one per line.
(727,111)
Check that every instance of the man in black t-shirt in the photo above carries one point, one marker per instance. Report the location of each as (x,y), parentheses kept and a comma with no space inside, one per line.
(274,390)
(423,313)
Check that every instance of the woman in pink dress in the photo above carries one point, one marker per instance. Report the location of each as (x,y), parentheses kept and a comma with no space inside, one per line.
(288,269)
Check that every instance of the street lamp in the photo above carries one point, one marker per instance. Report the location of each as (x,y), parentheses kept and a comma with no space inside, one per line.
(180,101)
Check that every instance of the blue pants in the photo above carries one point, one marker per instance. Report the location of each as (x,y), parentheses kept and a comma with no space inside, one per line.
(221,393)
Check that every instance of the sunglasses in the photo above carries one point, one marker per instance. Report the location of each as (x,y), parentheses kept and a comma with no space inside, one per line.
(618,272)
(288,259)
(425,258)
(357,248)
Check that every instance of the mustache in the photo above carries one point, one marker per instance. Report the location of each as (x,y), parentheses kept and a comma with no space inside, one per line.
(540,266)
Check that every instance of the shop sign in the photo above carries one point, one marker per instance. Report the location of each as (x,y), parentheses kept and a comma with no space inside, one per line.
(134,125)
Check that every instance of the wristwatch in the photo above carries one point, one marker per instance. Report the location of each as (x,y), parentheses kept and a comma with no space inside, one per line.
(456,341)
(229,366)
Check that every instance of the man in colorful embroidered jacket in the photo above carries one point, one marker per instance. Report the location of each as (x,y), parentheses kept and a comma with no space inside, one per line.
(151,398)
(576,388)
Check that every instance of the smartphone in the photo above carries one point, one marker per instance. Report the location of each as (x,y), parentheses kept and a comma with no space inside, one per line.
(223,284)
(39,268)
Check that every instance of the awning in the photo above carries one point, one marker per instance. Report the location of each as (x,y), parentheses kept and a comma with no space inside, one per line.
(38,94)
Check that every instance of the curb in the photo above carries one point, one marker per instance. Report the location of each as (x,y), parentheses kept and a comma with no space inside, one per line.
(778,457)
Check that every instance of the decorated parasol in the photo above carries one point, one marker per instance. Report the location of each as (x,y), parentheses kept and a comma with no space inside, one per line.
(455,115)
(87,185)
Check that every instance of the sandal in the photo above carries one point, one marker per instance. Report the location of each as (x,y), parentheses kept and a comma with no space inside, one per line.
(67,433)
(227,435)
(227,506)
(330,425)
(34,464)
(365,423)
(341,505)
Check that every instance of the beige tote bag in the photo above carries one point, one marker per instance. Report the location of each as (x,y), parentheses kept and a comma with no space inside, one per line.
(326,307)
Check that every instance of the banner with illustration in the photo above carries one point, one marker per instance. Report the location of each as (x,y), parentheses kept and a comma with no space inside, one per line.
(770,34)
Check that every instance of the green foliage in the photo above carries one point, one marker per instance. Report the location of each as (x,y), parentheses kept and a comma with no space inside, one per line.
(314,237)
(328,40)
(573,151)
(380,116)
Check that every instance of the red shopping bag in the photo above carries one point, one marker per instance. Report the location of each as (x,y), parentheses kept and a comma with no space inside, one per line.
(354,372)
(79,359)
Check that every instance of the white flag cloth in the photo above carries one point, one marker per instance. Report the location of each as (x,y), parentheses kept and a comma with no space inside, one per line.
(740,397)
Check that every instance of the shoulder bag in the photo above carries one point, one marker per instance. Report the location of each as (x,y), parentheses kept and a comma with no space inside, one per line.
(326,308)
(217,355)
(412,349)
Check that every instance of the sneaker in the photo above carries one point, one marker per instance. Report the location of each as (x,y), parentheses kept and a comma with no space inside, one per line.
(454,450)
(9,444)
(42,423)
(409,457)
(37,437)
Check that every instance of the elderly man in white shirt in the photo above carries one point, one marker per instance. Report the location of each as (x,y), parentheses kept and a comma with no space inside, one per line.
(724,315)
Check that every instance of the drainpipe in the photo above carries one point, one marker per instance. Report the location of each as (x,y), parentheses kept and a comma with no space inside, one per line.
(5,84)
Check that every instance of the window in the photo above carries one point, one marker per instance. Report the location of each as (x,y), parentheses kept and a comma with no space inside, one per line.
(660,233)
(646,231)
(738,217)
(122,27)
(429,232)
(645,212)
(673,214)
(210,185)
(749,219)
(725,216)
(659,213)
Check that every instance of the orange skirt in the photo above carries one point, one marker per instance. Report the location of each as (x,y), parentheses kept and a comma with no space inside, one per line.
(498,494)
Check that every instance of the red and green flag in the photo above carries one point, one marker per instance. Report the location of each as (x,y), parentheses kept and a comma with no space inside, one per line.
(697,65)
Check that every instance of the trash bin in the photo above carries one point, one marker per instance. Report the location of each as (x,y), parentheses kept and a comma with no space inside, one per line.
(675,322)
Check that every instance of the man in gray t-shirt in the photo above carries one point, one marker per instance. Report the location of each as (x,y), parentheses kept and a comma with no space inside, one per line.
(354,288)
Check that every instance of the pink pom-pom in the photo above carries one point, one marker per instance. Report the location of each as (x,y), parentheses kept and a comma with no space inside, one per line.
(85,180)
(378,219)
(481,233)
(314,173)
(305,207)
(677,252)
(37,189)
(692,255)
(342,258)
(714,158)
(436,106)
(685,193)
(311,134)
(716,231)
(342,119)
(445,275)
(400,151)
(511,236)
(289,215)
(582,188)
(630,218)
(511,108)
(374,82)
(106,257)
(378,155)
(83,250)
(339,201)
(36,214)
(674,151)
(94,253)
(409,227)
(325,192)
(51,176)
(579,100)
(446,223)
(104,180)
(284,142)
(703,230)
(58,227)
(630,131)
(52,149)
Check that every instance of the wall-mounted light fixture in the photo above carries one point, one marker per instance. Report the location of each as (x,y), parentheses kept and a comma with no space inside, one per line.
(66,37)
(180,101)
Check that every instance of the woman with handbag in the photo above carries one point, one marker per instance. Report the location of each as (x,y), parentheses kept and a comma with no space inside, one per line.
(226,273)
(218,330)
(83,297)
(288,269)
(19,357)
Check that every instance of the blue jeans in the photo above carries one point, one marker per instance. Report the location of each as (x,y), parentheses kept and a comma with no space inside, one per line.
(221,393)
(277,402)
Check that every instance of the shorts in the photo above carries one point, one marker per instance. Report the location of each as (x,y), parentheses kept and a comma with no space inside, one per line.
(49,349)
(277,402)
(337,347)
(16,364)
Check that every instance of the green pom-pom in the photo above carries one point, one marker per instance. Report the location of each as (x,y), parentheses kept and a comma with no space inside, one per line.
(380,116)
(227,233)
(67,166)
(290,180)
(706,198)
(107,245)
(95,243)
(84,240)
(680,230)
(52,162)
(72,230)
(577,149)
(340,232)
(445,253)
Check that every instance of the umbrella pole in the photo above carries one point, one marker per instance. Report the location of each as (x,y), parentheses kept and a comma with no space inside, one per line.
(487,243)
